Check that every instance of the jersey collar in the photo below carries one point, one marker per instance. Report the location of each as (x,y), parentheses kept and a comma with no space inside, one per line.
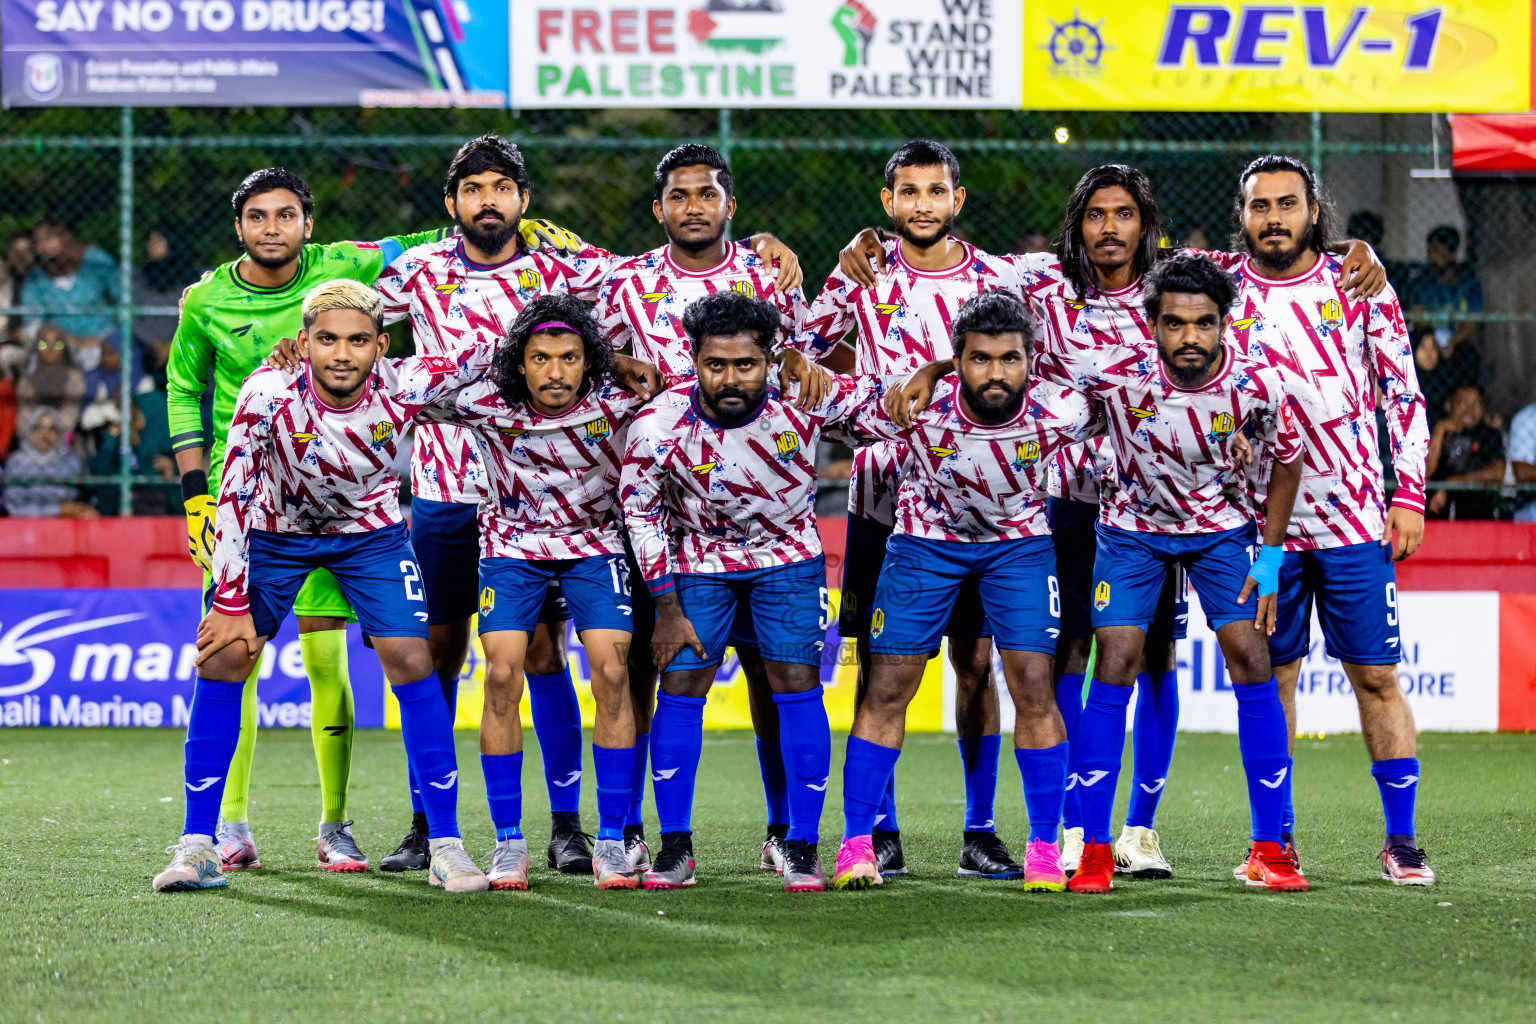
(703,414)
(718,268)
(244,285)
(958,268)
(463,255)
(323,407)
(1315,274)
(958,402)
(1229,357)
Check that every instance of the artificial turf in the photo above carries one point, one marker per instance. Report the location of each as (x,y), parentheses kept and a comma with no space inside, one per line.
(85,815)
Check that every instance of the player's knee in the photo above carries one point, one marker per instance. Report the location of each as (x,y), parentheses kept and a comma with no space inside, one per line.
(1249,664)
(1377,682)
(610,684)
(503,689)
(1116,663)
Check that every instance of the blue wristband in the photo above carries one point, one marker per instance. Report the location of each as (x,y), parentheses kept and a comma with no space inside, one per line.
(1265,570)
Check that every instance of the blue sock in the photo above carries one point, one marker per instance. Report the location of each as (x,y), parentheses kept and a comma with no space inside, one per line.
(451,696)
(1045,781)
(426,726)
(1262,739)
(1069,698)
(978,756)
(885,818)
(805,740)
(1152,732)
(504,792)
(213,732)
(615,770)
(677,736)
(1398,780)
(1095,756)
(557,724)
(867,767)
(770,763)
(1288,812)
(635,818)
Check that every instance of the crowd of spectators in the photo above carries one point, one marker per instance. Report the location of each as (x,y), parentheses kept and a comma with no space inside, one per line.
(61,373)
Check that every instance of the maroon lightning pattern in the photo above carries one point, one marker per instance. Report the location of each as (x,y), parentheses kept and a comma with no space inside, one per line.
(727,498)
(644,298)
(966,481)
(297,465)
(553,480)
(1174,470)
(1349,352)
(455,303)
(902,323)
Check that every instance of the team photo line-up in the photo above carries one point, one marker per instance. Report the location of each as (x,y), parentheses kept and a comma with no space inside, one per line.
(1050,448)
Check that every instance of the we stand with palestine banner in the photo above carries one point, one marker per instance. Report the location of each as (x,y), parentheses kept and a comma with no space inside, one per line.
(1472,56)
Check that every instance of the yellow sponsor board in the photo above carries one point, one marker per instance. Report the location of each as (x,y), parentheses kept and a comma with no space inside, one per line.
(1473,55)
(727,706)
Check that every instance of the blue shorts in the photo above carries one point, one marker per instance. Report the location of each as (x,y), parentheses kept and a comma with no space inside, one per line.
(446,536)
(1016,581)
(1355,588)
(863,556)
(376,571)
(513,591)
(1074,531)
(793,598)
(1132,571)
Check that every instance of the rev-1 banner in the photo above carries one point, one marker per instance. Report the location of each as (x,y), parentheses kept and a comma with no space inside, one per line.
(125,657)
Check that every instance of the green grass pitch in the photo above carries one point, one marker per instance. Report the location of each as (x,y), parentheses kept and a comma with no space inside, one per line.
(85,814)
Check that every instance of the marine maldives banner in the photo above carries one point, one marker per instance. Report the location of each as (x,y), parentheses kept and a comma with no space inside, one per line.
(767,53)
(126,657)
(253,53)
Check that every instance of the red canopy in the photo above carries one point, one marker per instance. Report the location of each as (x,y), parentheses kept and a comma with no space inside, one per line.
(1493,143)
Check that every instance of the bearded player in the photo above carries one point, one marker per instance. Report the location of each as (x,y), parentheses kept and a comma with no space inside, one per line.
(1345,534)
(642,306)
(903,323)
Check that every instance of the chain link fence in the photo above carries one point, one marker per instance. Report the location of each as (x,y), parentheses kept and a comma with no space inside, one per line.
(147,192)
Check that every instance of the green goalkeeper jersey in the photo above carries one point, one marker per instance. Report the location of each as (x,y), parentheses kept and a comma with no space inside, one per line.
(229,326)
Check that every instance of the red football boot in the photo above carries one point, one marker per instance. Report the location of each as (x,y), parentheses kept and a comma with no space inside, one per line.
(1270,866)
(1096,871)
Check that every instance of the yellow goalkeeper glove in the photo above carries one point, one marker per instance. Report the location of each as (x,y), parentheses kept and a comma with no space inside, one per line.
(200,508)
(538,233)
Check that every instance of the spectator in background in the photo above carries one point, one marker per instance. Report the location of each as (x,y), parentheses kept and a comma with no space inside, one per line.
(51,379)
(1464,447)
(19,261)
(1033,240)
(69,274)
(149,454)
(1522,459)
(1441,285)
(44,452)
(167,269)
(1368,227)
(1197,239)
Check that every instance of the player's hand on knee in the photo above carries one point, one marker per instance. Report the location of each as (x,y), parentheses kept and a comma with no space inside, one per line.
(538,233)
(1408,526)
(218,630)
(855,257)
(284,356)
(782,256)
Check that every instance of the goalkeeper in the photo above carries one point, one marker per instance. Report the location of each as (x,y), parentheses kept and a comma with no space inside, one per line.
(230,320)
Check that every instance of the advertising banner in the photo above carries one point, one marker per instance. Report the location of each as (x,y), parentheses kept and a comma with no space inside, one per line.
(126,657)
(253,53)
(1330,55)
(766,53)
(1449,672)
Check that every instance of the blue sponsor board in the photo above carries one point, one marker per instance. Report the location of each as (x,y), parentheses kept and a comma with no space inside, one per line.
(126,657)
(370,53)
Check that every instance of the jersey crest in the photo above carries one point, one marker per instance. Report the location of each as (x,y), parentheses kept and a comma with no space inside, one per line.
(382,432)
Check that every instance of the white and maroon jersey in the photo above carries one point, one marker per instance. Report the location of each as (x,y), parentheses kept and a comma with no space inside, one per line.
(968,481)
(296,465)
(1082,472)
(644,297)
(553,480)
(902,323)
(729,498)
(1174,471)
(454,303)
(1347,351)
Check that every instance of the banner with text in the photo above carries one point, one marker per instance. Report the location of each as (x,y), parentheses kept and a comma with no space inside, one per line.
(766,53)
(1332,55)
(254,53)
